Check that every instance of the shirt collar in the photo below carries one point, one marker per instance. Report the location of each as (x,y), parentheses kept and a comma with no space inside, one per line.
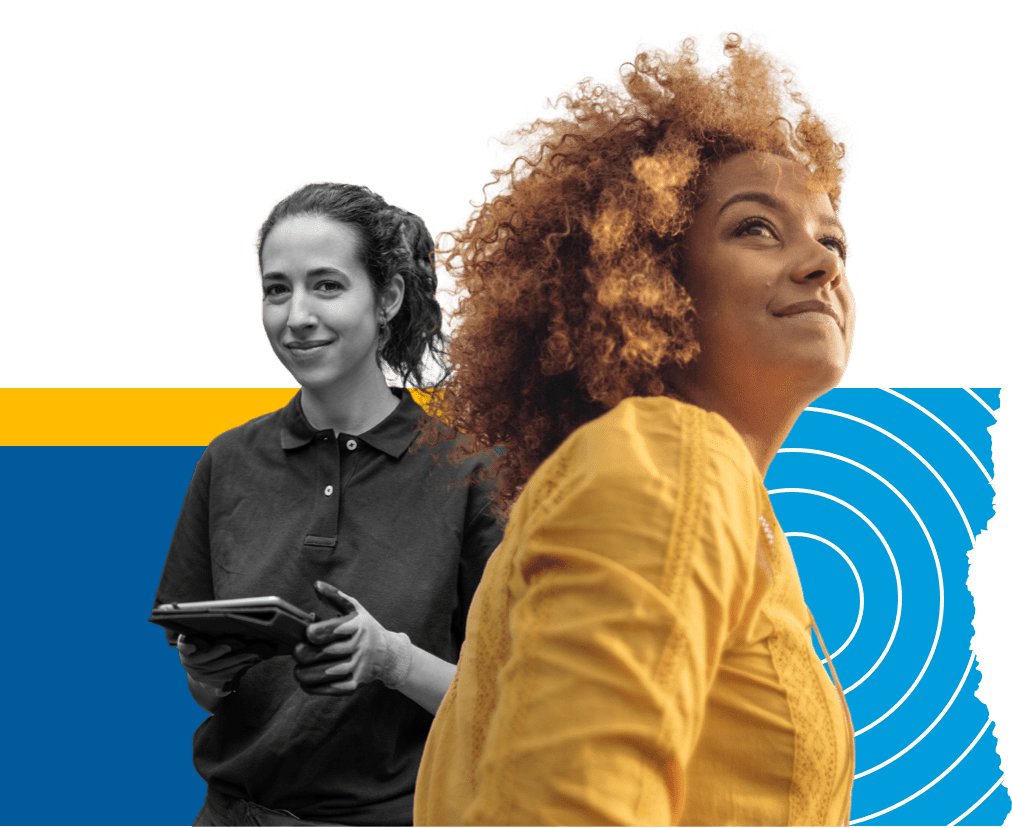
(392,436)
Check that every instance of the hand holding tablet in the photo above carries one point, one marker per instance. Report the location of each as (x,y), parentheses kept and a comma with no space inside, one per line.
(218,665)
(342,653)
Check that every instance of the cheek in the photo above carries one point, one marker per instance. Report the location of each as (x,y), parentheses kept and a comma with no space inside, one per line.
(354,319)
(274,319)
(850,307)
(730,299)
(342,320)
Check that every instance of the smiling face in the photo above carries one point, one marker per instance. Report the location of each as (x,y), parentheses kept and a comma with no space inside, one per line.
(764,264)
(319,310)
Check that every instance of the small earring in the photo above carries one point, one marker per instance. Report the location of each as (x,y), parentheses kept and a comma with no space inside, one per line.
(382,323)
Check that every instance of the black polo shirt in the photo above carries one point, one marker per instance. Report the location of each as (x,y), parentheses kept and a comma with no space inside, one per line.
(275,505)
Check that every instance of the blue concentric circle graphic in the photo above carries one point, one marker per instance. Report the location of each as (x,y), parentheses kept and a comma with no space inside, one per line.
(881,493)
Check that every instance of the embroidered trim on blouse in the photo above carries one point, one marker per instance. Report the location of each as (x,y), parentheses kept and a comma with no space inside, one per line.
(816,772)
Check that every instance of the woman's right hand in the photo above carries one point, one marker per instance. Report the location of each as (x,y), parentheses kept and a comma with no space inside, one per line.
(213,665)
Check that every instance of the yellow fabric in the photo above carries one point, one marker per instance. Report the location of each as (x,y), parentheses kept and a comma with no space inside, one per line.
(637,652)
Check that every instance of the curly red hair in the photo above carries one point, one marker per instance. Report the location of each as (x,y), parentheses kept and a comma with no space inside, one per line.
(573,301)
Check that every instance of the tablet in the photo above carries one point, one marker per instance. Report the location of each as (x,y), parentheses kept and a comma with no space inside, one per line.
(271,623)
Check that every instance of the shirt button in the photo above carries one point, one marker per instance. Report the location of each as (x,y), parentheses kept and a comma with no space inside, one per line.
(329,491)
(352,445)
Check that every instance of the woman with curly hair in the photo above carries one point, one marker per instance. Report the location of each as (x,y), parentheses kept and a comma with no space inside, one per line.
(326,493)
(653,298)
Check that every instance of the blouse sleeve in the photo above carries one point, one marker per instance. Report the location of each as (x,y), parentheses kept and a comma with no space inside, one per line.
(633,560)
(186,575)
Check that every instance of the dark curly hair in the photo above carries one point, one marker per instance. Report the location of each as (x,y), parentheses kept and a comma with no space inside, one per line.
(570,272)
(392,241)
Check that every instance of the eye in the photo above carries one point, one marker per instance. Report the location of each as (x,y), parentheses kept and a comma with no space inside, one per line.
(275,292)
(755,227)
(329,286)
(837,245)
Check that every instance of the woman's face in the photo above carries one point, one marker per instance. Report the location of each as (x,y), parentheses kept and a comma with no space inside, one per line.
(764,264)
(318,310)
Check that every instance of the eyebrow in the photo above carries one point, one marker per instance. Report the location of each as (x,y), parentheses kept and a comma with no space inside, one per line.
(776,204)
(316,271)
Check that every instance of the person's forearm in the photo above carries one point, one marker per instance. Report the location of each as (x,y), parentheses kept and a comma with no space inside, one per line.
(203,695)
(428,678)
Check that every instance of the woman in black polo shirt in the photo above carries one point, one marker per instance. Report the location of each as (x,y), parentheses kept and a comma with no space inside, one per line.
(323,504)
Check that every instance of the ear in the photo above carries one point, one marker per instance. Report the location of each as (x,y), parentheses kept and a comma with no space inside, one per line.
(392,297)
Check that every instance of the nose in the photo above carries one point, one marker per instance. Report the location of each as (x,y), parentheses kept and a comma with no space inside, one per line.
(820,265)
(301,312)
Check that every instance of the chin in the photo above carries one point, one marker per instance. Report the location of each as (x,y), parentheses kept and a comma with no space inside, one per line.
(313,382)
(815,378)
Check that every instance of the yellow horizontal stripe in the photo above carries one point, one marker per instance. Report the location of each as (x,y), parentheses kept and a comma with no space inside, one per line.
(132,416)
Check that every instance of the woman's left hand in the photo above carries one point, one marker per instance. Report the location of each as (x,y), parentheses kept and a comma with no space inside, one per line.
(354,648)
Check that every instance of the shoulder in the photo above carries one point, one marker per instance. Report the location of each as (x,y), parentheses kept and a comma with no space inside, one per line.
(264,430)
(651,476)
(654,487)
(645,439)
(647,417)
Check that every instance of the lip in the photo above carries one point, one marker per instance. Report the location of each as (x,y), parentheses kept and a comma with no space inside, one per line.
(307,344)
(306,349)
(811,306)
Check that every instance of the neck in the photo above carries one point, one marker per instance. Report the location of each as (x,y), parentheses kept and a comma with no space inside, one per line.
(761,416)
(352,405)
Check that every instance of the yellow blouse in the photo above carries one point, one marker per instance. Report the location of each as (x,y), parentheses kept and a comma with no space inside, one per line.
(638,652)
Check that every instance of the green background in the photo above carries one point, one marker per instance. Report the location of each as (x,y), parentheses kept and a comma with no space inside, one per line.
(143,145)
